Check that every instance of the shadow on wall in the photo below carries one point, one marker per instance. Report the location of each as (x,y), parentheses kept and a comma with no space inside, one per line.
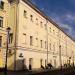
(11,67)
(20,65)
(10,61)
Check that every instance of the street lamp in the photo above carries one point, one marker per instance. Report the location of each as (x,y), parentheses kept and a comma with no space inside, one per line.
(47,39)
(8,30)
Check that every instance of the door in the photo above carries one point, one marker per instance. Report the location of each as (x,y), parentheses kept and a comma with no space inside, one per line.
(41,61)
(55,63)
(30,63)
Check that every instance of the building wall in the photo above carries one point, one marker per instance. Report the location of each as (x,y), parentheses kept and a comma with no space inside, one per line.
(30,28)
(4,14)
(9,20)
(33,28)
(49,43)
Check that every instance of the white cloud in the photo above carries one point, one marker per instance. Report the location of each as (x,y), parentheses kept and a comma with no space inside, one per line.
(70,17)
(33,2)
(68,28)
(43,9)
(60,20)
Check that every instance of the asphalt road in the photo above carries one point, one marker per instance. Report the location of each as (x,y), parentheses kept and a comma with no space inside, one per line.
(70,71)
(22,73)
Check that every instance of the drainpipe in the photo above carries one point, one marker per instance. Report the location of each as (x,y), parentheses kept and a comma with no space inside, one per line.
(60,60)
(47,39)
(16,32)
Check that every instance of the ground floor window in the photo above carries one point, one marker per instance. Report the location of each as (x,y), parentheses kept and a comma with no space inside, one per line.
(45,63)
(41,63)
(55,63)
(30,63)
(24,64)
(51,61)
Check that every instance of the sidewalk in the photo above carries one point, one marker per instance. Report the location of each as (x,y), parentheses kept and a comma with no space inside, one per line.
(41,72)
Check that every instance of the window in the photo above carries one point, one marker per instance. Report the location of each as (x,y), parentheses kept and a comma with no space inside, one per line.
(41,43)
(50,61)
(55,63)
(50,46)
(37,42)
(57,33)
(41,24)
(50,29)
(45,26)
(30,61)
(10,51)
(10,38)
(31,17)
(45,62)
(54,47)
(31,40)
(41,62)
(24,62)
(53,31)
(0,41)
(36,21)
(45,44)
(25,14)
(25,38)
(1,21)
(1,5)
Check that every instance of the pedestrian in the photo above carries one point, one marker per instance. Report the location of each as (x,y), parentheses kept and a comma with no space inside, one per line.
(30,67)
(50,65)
(42,67)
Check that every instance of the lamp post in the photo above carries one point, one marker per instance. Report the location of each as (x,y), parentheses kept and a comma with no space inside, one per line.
(47,39)
(8,30)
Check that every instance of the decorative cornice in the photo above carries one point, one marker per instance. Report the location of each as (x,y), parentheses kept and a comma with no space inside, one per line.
(11,1)
(46,17)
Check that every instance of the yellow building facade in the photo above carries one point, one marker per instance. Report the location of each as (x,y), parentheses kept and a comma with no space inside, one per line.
(3,25)
(34,38)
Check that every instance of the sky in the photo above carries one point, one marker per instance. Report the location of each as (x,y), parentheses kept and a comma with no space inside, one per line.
(60,11)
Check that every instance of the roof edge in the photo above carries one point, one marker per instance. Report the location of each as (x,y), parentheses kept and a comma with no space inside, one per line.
(46,17)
